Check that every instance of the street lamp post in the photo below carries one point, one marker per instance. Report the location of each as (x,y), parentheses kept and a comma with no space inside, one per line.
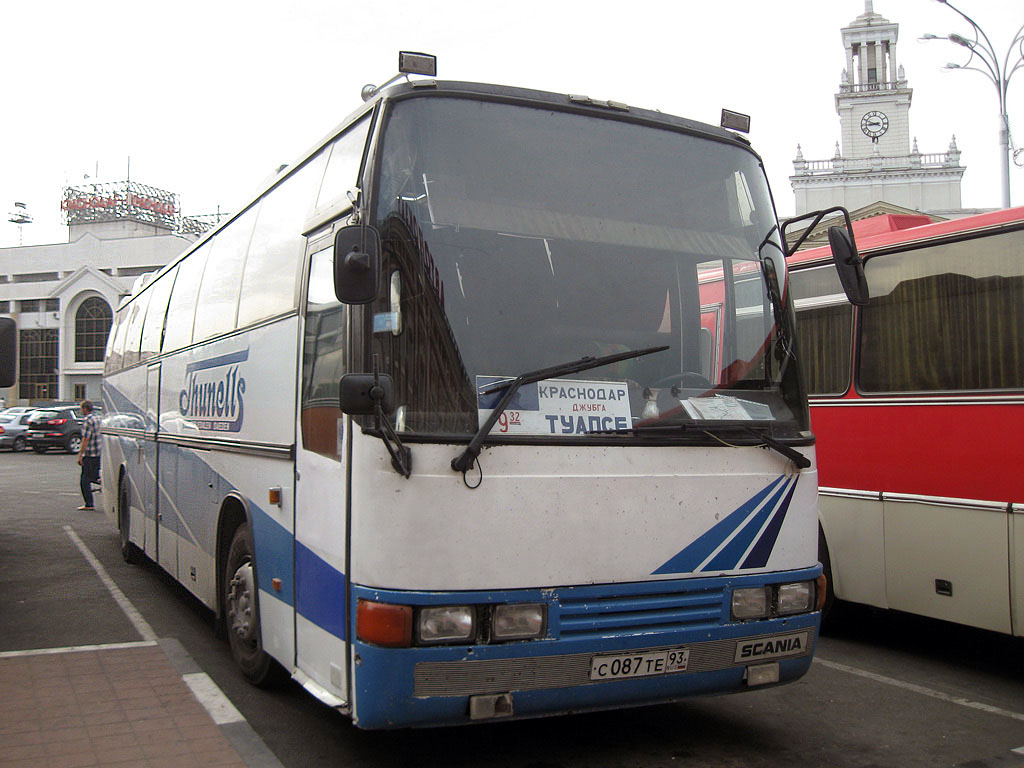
(999,73)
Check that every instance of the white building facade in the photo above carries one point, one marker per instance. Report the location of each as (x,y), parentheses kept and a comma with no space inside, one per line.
(62,296)
(875,158)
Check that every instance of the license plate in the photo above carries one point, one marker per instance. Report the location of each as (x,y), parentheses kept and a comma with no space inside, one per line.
(643,664)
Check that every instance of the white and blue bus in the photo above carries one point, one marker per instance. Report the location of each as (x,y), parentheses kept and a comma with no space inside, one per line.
(489,406)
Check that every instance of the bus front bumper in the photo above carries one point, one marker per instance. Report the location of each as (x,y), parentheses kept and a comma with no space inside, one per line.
(418,687)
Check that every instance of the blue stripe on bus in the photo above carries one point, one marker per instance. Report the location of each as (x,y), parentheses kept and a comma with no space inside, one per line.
(730,555)
(320,591)
(758,557)
(690,558)
(216,362)
(273,555)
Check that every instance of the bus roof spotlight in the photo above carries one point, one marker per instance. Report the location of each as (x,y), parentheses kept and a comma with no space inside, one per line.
(410,63)
(735,121)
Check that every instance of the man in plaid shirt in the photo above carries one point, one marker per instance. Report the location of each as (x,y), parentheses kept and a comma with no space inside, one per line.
(89,454)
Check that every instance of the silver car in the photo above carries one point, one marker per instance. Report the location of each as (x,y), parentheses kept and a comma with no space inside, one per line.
(13,427)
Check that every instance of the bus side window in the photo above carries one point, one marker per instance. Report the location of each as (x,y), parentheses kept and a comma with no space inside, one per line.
(343,166)
(133,337)
(825,324)
(323,359)
(153,328)
(115,344)
(217,305)
(945,318)
(182,308)
(270,278)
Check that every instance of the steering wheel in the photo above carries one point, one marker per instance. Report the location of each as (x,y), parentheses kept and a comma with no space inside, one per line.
(686,379)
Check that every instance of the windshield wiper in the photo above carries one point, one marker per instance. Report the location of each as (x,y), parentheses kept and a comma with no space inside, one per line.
(465,460)
(789,452)
(710,428)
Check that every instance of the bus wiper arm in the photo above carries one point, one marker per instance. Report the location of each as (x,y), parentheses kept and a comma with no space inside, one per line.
(789,452)
(464,460)
(776,445)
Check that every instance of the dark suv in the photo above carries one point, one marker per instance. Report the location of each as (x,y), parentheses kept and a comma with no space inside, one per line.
(56,427)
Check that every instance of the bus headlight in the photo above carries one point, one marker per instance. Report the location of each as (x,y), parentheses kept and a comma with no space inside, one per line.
(796,598)
(751,603)
(775,600)
(446,624)
(518,622)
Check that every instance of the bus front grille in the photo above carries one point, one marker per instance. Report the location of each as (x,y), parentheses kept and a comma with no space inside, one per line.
(614,610)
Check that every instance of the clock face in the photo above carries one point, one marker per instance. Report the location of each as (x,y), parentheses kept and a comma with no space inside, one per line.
(874,124)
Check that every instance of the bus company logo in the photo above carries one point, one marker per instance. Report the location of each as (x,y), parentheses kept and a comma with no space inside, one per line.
(213,395)
(771,647)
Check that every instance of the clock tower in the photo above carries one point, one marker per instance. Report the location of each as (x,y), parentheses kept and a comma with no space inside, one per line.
(876,161)
(873,100)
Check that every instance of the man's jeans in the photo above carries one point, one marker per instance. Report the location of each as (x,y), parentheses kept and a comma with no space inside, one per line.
(90,474)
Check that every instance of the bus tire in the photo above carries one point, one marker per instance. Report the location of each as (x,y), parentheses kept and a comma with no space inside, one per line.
(828,608)
(131,553)
(240,600)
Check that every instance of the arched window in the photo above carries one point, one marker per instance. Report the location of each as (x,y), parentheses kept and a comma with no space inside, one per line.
(92,324)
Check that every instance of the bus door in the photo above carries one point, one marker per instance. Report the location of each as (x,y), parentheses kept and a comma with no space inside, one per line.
(149,488)
(321,587)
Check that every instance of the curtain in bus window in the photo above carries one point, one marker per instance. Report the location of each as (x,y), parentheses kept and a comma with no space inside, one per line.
(272,266)
(824,329)
(825,335)
(323,359)
(952,318)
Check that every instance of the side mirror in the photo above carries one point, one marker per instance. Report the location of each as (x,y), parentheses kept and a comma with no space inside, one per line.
(8,351)
(848,262)
(356,257)
(849,265)
(359,393)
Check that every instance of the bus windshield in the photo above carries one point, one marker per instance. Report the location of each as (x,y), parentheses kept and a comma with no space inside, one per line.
(517,238)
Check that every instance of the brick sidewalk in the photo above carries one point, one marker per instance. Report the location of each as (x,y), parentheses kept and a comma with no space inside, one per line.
(104,707)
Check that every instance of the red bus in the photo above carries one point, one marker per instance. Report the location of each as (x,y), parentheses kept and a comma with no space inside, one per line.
(917,402)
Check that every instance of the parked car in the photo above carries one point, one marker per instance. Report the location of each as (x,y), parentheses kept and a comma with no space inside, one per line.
(59,427)
(18,410)
(13,427)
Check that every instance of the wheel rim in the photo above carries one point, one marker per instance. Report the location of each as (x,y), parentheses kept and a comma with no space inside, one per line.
(19,444)
(241,604)
(74,444)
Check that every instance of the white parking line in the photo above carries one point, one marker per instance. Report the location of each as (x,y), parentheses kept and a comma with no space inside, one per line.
(920,689)
(212,697)
(140,624)
(76,649)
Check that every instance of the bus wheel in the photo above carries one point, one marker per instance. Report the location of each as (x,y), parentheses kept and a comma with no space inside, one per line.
(830,594)
(131,553)
(242,615)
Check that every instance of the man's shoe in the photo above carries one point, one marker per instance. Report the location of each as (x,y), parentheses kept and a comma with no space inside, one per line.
(86,509)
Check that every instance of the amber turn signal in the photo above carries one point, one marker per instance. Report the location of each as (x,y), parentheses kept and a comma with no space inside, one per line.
(384,624)
(822,587)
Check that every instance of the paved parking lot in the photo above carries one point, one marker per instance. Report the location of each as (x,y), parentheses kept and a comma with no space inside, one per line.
(885,689)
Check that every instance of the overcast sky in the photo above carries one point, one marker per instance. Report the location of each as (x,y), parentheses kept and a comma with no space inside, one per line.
(209,98)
